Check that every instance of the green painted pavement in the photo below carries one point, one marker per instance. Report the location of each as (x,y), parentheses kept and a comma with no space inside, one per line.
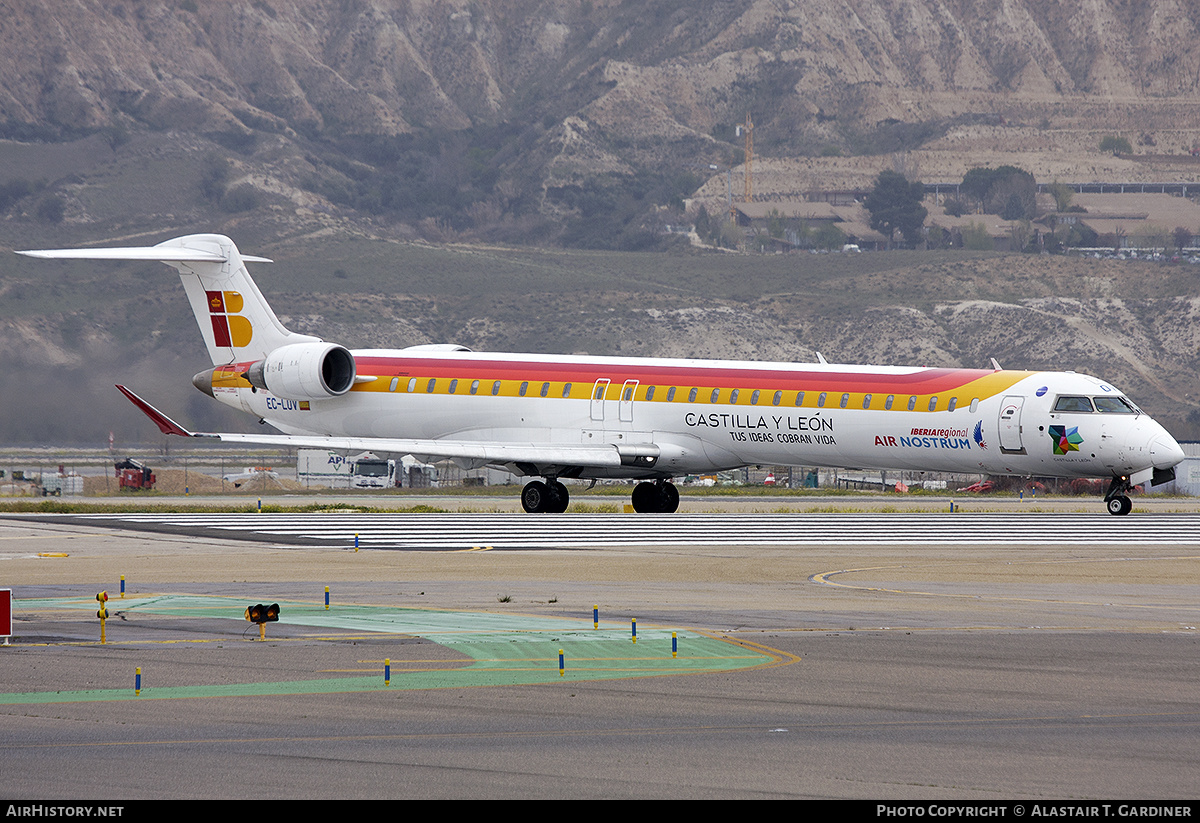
(504,649)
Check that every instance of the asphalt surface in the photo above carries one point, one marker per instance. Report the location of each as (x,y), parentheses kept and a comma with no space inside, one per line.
(983,672)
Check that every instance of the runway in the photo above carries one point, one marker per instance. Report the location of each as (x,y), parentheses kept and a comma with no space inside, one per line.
(958,666)
(466,531)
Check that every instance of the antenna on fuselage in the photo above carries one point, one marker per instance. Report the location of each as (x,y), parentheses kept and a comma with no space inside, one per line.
(821,359)
(996,366)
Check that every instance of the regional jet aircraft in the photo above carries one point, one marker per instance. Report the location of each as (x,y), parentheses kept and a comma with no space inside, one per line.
(645,419)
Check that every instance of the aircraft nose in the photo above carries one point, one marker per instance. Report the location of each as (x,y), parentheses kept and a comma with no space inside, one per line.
(1165,452)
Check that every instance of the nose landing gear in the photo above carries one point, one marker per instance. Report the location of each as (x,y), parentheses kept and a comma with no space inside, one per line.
(1116,500)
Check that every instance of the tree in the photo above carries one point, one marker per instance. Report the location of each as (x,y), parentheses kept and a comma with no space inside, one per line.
(1008,191)
(1117,145)
(703,223)
(895,204)
(1182,237)
(975,237)
(1062,194)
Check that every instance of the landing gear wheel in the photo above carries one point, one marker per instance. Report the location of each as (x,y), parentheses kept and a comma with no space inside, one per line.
(1119,505)
(655,498)
(645,498)
(535,497)
(560,498)
(668,498)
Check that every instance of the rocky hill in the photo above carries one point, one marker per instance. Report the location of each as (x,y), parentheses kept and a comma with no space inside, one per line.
(506,119)
(390,154)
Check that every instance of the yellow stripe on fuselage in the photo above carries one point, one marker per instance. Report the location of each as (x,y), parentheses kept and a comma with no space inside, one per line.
(980,388)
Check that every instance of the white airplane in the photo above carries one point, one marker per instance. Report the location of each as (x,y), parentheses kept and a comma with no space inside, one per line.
(646,419)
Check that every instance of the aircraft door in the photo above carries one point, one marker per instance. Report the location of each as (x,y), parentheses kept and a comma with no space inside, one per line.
(1010,425)
(625,406)
(598,392)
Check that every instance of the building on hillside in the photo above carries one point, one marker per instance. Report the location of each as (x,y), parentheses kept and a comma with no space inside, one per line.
(811,224)
(1002,235)
(1132,221)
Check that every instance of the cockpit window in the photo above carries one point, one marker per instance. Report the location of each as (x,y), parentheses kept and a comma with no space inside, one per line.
(1115,405)
(1068,403)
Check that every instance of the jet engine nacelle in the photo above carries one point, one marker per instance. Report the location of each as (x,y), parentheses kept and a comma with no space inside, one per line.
(305,371)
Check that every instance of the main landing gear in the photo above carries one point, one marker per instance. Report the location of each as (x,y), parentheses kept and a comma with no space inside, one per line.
(1116,500)
(661,497)
(551,496)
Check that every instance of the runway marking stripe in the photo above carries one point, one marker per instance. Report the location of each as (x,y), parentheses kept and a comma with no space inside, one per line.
(483,532)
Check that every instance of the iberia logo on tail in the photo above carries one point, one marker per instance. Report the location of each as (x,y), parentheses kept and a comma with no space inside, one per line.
(229,327)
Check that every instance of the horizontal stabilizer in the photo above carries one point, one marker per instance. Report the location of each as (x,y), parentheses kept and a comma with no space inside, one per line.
(165,424)
(161,254)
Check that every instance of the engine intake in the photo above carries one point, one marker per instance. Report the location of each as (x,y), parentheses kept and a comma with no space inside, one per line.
(305,371)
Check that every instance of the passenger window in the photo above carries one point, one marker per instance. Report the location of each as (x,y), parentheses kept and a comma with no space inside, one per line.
(799,398)
(566,390)
(649,393)
(395,382)
(692,395)
(754,398)
(821,400)
(453,386)
(412,384)
(912,403)
(545,389)
(495,388)
(775,400)
(600,387)
(627,394)
(733,396)
(845,400)
(671,394)
(887,404)
(866,401)
(953,404)
(430,385)
(974,404)
(524,388)
(933,403)
(716,395)
(1073,404)
(474,386)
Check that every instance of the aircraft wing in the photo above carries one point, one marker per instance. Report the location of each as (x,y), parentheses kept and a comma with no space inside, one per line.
(477,453)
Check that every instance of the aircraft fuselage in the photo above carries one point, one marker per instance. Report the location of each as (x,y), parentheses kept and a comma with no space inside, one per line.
(706,416)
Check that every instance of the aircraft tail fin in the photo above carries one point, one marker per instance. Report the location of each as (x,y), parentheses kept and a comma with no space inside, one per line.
(234,318)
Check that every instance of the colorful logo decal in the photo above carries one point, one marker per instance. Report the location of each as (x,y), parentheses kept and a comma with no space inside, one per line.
(229,327)
(1065,438)
(1041,391)
(979,441)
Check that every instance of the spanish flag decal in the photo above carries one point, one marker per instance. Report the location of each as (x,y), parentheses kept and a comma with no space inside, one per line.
(229,327)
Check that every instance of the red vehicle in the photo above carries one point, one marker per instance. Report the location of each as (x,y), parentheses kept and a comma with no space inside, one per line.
(982,487)
(134,475)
